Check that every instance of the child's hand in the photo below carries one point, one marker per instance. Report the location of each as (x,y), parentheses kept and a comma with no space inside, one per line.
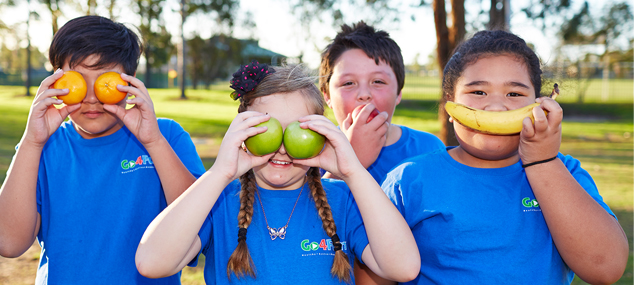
(367,139)
(44,118)
(541,140)
(233,160)
(140,119)
(338,157)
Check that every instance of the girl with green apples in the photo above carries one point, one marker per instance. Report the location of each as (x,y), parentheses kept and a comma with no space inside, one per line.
(301,229)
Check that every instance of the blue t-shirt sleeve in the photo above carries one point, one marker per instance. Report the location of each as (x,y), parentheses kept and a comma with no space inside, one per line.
(182,144)
(584,179)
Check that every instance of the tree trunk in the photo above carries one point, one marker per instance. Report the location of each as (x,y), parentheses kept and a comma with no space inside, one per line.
(182,57)
(27,82)
(148,66)
(446,40)
(111,9)
(54,15)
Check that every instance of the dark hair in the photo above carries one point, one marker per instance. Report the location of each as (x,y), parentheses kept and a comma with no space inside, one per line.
(285,79)
(376,44)
(490,43)
(79,38)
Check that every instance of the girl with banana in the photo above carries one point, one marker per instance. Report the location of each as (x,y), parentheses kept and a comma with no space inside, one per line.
(505,206)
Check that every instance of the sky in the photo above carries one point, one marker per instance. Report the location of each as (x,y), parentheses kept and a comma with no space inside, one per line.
(280,31)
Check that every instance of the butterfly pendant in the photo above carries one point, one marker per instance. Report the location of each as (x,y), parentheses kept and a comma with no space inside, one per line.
(279,232)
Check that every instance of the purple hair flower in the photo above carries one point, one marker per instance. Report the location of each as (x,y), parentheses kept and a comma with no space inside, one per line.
(248,77)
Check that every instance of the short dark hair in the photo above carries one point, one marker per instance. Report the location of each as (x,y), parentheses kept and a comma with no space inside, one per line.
(375,43)
(490,43)
(82,37)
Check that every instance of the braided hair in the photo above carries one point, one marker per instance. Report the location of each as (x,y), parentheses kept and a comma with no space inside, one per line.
(285,79)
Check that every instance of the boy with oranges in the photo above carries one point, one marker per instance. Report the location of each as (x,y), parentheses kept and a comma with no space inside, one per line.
(87,188)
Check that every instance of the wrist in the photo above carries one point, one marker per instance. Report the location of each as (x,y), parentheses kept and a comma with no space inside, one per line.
(525,165)
(156,144)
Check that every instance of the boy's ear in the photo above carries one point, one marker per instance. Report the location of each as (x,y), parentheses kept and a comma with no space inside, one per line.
(399,97)
(327,99)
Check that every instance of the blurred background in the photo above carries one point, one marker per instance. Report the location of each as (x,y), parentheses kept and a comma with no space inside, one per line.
(191,48)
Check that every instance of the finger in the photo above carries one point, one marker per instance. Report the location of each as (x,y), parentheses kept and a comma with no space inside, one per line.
(528,130)
(254,120)
(45,103)
(379,120)
(116,110)
(541,122)
(260,160)
(50,93)
(68,109)
(555,112)
(49,80)
(134,81)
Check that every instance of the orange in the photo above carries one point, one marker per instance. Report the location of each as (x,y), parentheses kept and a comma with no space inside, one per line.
(76,87)
(106,88)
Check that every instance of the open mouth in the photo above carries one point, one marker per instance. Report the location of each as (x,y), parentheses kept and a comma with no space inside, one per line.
(279,162)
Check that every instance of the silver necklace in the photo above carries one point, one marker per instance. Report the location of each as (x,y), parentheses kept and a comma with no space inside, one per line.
(279,232)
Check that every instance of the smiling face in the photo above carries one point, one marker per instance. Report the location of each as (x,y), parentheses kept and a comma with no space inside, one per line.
(493,83)
(91,120)
(280,173)
(357,80)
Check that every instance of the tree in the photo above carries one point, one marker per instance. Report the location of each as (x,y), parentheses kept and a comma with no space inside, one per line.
(447,38)
(53,7)
(224,11)
(582,28)
(156,44)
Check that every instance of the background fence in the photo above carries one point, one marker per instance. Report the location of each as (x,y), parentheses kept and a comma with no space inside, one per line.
(585,82)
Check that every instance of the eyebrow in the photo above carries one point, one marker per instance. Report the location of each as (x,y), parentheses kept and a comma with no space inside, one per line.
(486,83)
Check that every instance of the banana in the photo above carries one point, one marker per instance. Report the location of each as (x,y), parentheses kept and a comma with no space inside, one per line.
(490,122)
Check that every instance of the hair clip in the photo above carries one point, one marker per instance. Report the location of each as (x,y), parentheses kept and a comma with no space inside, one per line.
(248,77)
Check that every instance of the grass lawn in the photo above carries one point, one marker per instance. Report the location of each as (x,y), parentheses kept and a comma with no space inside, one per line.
(600,135)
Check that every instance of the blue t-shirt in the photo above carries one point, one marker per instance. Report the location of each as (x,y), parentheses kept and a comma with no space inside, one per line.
(479,225)
(305,255)
(411,143)
(96,197)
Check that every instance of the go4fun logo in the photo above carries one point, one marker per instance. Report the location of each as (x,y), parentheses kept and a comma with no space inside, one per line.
(528,203)
(324,244)
(141,160)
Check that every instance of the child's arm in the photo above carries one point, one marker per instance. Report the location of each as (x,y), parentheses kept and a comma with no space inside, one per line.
(171,241)
(19,219)
(141,121)
(591,242)
(392,252)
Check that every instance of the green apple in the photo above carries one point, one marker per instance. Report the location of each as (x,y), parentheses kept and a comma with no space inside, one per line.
(302,143)
(266,142)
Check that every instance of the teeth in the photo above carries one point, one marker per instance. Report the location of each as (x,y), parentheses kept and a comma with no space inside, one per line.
(280,162)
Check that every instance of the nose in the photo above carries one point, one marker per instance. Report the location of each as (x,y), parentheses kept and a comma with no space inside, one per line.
(281,150)
(364,95)
(90,98)
(495,106)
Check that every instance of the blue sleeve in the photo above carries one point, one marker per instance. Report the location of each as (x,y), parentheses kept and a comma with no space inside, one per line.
(392,187)
(356,235)
(182,144)
(205,239)
(584,179)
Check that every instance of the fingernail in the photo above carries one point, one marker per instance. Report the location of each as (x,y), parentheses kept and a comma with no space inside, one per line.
(123,74)
(58,70)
